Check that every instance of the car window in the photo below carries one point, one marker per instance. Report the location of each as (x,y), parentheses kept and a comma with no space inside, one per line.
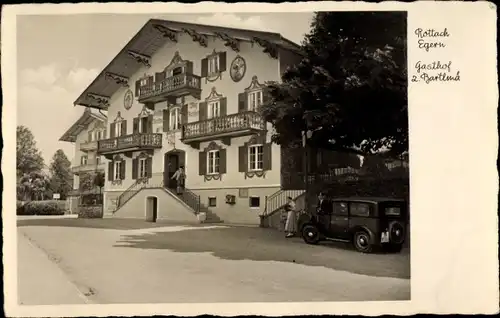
(340,208)
(393,211)
(360,209)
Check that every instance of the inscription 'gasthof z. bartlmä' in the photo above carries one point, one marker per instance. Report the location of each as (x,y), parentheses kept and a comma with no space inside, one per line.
(428,75)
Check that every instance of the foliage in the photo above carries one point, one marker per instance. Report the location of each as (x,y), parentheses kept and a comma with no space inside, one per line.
(350,87)
(20,208)
(99,180)
(32,186)
(29,158)
(49,207)
(87,181)
(61,180)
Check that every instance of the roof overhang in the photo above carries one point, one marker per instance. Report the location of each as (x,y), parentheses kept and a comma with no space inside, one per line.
(151,37)
(81,124)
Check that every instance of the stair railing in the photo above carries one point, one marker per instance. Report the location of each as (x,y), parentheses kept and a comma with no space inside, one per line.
(126,195)
(279,199)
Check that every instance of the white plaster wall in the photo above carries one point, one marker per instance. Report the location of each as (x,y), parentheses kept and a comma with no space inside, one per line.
(258,63)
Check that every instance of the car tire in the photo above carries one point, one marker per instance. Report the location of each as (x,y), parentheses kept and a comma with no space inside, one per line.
(361,241)
(393,248)
(310,234)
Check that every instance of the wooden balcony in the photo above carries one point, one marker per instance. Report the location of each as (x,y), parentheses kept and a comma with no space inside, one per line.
(171,87)
(234,125)
(87,168)
(129,143)
(88,146)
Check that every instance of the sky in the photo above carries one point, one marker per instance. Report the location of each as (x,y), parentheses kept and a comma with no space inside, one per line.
(58,56)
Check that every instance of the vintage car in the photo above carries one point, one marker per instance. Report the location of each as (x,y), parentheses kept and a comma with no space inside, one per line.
(368,223)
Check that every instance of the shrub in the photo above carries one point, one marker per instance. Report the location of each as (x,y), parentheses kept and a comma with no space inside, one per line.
(21,208)
(49,207)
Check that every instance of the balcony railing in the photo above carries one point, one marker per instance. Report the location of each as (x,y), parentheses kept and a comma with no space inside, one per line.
(90,166)
(172,86)
(231,125)
(130,142)
(88,146)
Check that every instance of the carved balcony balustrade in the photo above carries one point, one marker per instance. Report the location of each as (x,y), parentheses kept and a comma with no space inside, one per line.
(223,127)
(88,146)
(90,166)
(129,143)
(162,89)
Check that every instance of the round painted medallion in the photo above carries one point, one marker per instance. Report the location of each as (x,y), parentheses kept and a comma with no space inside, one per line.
(238,68)
(128,100)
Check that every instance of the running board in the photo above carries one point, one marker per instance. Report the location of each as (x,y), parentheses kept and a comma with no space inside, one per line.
(337,240)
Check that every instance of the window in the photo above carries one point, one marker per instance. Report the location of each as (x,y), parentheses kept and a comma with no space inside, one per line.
(340,208)
(175,118)
(143,125)
(91,137)
(142,168)
(254,202)
(98,135)
(118,166)
(118,129)
(255,157)
(144,82)
(254,100)
(213,162)
(213,109)
(360,209)
(212,201)
(83,160)
(213,64)
(177,71)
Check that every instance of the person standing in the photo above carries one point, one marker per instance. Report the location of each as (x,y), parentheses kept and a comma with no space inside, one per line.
(291,218)
(324,205)
(180,176)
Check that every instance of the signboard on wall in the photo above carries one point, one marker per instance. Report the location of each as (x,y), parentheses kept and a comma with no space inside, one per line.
(56,196)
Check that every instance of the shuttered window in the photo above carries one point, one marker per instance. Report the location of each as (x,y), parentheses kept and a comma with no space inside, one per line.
(118,129)
(143,171)
(213,162)
(83,160)
(175,119)
(254,100)
(255,157)
(117,173)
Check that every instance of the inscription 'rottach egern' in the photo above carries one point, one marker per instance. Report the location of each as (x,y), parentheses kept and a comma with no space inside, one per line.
(426,38)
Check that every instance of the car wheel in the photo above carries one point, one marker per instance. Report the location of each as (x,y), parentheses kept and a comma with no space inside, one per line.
(393,248)
(361,241)
(310,234)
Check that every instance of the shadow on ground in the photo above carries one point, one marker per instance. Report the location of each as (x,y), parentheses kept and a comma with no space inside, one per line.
(112,224)
(257,244)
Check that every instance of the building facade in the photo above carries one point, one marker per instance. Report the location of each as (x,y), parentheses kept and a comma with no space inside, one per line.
(188,95)
(85,134)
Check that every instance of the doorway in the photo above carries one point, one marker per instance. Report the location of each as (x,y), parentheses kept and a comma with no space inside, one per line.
(151,209)
(172,161)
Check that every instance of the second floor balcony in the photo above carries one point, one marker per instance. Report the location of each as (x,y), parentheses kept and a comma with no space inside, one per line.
(127,143)
(88,167)
(170,87)
(234,125)
(88,146)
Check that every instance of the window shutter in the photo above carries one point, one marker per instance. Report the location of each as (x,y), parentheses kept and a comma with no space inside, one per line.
(204,67)
(135,126)
(184,114)
(223,106)
(242,102)
(243,159)
(166,120)
(110,171)
(149,166)
(150,124)
(137,87)
(112,130)
(222,161)
(222,61)
(202,111)
(267,156)
(124,127)
(134,168)
(122,170)
(202,163)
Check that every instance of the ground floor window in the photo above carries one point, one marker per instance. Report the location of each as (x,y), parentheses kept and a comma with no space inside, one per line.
(143,173)
(255,158)
(254,202)
(213,158)
(212,201)
(117,170)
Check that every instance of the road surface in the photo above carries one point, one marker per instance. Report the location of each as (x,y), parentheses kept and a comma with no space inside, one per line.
(106,261)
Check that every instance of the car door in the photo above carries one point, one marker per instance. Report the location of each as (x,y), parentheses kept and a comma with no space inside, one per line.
(339,221)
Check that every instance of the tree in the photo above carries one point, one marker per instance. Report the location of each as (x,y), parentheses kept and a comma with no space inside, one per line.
(32,186)
(61,180)
(349,90)
(29,158)
(99,181)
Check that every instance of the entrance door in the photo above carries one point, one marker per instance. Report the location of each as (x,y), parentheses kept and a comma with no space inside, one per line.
(171,164)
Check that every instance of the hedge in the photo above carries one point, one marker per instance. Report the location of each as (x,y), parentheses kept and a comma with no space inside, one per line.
(21,208)
(49,207)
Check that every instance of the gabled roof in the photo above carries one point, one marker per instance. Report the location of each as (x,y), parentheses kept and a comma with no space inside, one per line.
(150,38)
(81,124)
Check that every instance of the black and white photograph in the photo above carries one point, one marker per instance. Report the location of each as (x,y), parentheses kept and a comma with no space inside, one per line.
(213,157)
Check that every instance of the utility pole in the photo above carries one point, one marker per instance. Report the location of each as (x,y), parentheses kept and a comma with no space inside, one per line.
(305,170)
